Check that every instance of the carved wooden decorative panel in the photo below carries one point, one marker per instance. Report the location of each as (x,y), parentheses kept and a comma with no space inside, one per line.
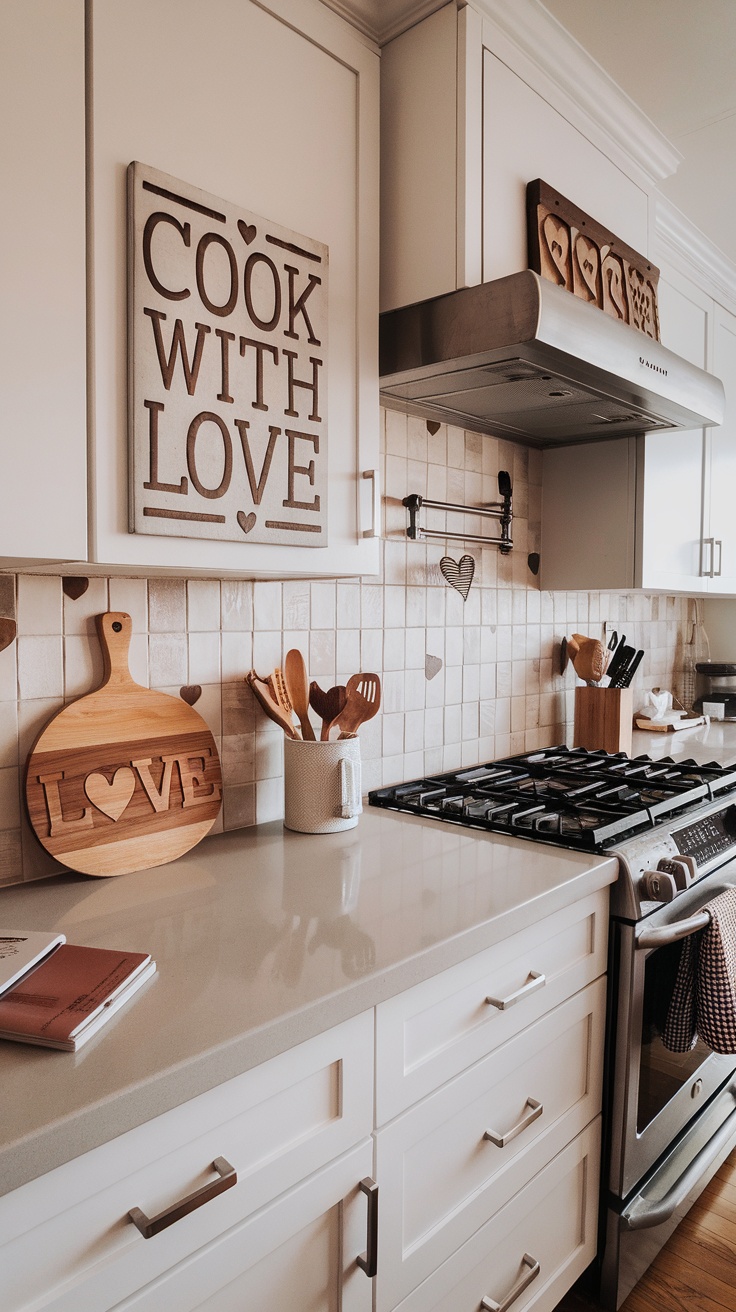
(227,375)
(569,248)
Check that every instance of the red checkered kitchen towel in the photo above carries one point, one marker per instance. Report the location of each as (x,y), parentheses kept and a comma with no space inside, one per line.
(704,997)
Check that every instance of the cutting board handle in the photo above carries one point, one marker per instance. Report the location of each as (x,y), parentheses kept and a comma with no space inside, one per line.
(115,629)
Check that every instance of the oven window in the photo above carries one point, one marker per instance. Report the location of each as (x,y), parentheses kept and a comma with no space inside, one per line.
(662,1073)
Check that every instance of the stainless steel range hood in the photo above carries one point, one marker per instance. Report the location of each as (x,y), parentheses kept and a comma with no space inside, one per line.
(522,358)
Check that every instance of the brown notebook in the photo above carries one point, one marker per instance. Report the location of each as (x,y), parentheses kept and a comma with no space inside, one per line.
(71,995)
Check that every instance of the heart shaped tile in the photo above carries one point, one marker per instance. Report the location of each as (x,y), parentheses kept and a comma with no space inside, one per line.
(433,426)
(8,630)
(432,666)
(190,693)
(246,522)
(111,796)
(74,587)
(557,240)
(247,231)
(458,573)
(588,261)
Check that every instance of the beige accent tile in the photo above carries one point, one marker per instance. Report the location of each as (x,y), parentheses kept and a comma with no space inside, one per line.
(238,708)
(8,734)
(236,654)
(7,596)
(11,857)
(204,658)
(238,759)
(167,606)
(9,673)
(9,798)
(239,807)
(39,605)
(167,655)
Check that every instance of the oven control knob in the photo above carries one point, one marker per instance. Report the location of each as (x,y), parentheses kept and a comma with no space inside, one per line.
(683,869)
(658,886)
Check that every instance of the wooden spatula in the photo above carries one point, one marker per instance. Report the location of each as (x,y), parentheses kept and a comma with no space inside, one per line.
(362,703)
(328,705)
(297,686)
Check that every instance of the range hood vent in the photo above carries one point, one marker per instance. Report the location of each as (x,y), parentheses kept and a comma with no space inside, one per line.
(522,358)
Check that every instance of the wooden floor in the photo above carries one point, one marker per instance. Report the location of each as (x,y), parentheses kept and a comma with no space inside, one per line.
(696,1270)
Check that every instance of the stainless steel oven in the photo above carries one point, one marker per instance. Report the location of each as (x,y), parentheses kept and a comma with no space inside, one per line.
(669,1117)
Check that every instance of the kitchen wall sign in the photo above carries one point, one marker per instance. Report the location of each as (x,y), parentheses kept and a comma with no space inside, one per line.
(569,248)
(124,778)
(227,369)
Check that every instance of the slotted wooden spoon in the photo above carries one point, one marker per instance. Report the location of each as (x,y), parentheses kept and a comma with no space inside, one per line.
(328,705)
(362,703)
(263,694)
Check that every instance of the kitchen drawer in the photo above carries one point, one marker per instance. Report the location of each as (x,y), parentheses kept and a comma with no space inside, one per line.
(436,1029)
(441,1177)
(275,1125)
(553,1221)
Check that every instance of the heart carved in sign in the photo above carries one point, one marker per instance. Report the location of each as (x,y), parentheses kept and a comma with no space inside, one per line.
(111,797)
(246,522)
(588,257)
(458,573)
(557,238)
(247,231)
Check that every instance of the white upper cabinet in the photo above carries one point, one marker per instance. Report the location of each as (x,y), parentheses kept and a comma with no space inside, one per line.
(481,101)
(272,107)
(43,425)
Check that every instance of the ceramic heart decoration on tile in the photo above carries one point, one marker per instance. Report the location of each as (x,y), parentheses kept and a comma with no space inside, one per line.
(432,666)
(458,573)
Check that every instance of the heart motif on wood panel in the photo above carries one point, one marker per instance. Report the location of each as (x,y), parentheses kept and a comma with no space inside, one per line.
(111,796)
(458,573)
(557,239)
(588,258)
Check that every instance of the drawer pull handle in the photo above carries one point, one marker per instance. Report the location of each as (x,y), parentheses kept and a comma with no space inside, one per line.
(536,980)
(490,1304)
(150,1226)
(501,1140)
(369,1261)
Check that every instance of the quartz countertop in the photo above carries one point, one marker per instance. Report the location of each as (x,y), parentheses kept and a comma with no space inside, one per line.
(263,938)
(707,742)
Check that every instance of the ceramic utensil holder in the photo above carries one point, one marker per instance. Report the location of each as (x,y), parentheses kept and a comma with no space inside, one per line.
(604,719)
(322,792)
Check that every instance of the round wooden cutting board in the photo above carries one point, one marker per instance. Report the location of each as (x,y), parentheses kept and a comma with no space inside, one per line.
(124,778)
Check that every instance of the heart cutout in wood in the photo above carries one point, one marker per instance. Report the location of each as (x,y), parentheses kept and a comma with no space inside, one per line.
(247,231)
(614,293)
(246,522)
(432,666)
(74,587)
(588,260)
(557,239)
(8,630)
(190,693)
(459,573)
(111,796)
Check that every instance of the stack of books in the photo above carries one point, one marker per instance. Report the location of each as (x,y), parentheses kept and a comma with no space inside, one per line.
(57,995)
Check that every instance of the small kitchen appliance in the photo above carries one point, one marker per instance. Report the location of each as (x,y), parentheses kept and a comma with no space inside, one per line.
(670,1117)
(716,684)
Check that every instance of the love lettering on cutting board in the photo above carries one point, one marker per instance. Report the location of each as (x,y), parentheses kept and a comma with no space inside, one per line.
(227,386)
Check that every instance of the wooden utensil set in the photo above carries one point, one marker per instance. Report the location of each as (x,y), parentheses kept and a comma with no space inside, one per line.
(287,692)
(615,664)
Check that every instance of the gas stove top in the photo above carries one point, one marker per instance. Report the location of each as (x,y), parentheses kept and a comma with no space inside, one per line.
(570,796)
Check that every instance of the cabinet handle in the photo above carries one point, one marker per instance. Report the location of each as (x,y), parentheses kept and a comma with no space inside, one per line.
(536,980)
(375,530)
(719,544)
(707,542)
(150,1226)
(501,1140)
(369,1260)
(490,1304)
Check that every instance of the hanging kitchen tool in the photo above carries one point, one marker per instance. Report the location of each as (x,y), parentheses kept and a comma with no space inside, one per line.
(697,651)
(123,778)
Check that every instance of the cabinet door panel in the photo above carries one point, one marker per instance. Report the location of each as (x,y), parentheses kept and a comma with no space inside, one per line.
(670,492)
(273,107)
(43,425)
(723,460)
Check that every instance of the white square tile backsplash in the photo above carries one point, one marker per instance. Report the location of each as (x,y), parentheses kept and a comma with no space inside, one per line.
(462,681)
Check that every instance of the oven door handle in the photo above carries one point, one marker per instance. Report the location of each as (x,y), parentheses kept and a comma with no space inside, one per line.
(640,1214)
(657,938)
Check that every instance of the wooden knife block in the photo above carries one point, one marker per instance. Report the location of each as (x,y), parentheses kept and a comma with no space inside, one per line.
(604,719)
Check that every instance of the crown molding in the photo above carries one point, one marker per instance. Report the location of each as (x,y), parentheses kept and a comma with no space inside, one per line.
(382,20)
(678,238)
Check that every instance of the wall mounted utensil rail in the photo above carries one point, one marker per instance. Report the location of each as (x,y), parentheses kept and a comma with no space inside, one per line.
(500,510)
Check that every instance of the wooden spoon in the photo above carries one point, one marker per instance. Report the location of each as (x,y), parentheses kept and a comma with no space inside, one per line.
(297,686)
(363,701)
(328,705)
(263,694)
(280,693)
